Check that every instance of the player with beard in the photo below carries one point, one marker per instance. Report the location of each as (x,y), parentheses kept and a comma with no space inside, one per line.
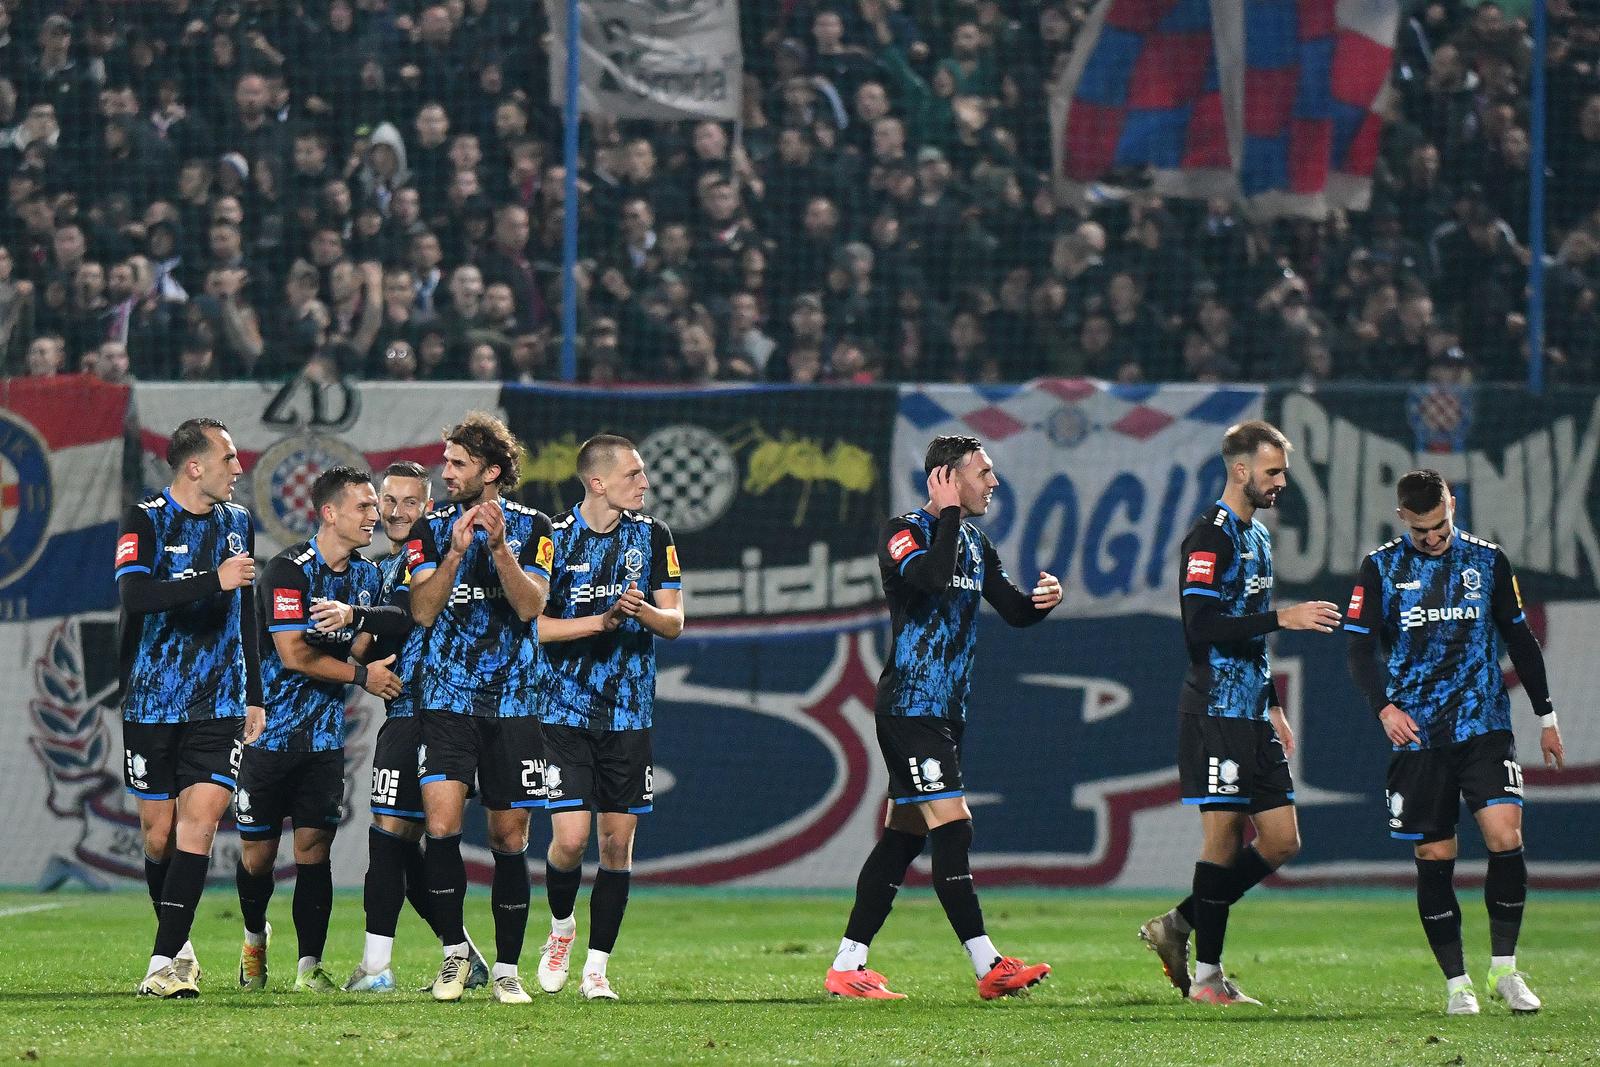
(936,568)
(1233,738)
(480,576)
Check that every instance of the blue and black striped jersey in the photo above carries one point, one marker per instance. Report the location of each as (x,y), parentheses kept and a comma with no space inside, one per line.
(395,590)
(1228,562)
(186,663)
(478,657)
(608,681)
(1438,617)
(303,713)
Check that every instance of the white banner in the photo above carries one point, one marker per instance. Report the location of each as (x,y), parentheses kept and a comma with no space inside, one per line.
(287,435)
(1098,483)
(651,59)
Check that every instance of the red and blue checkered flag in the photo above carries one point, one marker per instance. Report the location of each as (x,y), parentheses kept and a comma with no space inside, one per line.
(1273,101)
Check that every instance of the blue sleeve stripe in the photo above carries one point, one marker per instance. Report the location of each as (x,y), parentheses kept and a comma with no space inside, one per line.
(540,571)
(1353,628)
(930,796)
(295,627)
(132,568)
(557,805)
(670,585)
(1405,837)
(224,780)
(1504,800)
(1203,592)
(1520,618)
(1216,800)
(433,778)
(527,803)
(422,568)
(912,556)
(643,809)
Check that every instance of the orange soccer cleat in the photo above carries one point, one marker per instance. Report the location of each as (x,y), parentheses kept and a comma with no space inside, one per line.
(861,984)
(1009,977)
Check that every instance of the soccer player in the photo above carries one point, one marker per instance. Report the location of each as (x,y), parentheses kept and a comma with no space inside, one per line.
(1233,738)
(480,575)
(191,678)
(394,841)
(615,587)
(295,770)
(1435,599)
(935,567)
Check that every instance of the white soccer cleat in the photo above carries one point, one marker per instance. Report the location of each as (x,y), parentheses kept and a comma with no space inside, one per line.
(187,953)
(1510,986)
(555,962)
(1219,989)
(596,987)
(1463,1001)
(452,979)
(508,990)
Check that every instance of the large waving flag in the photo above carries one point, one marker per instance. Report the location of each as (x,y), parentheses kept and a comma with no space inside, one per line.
(1273,101)
(61,445)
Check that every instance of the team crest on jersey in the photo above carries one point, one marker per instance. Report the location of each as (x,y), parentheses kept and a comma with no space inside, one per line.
(282,482)
(1472,582)
(633,564)
(26,495)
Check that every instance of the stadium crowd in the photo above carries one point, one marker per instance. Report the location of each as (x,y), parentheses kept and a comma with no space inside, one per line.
(233,189)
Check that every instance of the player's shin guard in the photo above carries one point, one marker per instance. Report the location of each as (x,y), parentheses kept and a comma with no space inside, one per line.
(509,898)
(1213,886)
(255,892)
(952,878)
(155,877)
(561,889)
(1505,891)
(180,895)
(1441,914)
(879,882)
(384,892)
(447,887)
(607,901)
(313,904)
(1247,872)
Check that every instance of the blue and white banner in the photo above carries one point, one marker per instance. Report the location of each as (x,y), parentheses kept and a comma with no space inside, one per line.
(1098,482)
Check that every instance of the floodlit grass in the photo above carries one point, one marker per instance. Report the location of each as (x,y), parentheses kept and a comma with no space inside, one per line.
(711,977)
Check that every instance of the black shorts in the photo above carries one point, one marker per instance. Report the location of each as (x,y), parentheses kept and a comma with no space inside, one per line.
(601,770)
(1426,786)
(923,756)
(1232,764)
(162,759)
(395,788)
(505,757)
(305,787)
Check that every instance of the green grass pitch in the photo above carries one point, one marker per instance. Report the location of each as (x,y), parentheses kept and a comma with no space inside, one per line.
(714,977)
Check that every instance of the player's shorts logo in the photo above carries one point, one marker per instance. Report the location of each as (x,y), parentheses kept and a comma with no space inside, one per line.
(25,496)
(1222,776)
(552,782)
(137,769)
(282,482)
(422,760)
(241,801)
(694,473)
(1397,806)
(927,775)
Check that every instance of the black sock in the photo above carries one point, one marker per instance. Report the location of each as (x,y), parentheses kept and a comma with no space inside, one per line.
(879,881)
(180,895)
(313,904)
(607,901)
(509,898)
(1441,914)
(561,888)
(1212,886)
(155,876)
(1505,891)
(952,878)
(417,883)
(255,891)
(1247,872)
(384,892)
(447,886)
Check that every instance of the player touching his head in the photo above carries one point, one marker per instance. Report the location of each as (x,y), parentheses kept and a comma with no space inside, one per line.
(295,770)
(1435,599)
(1233,738)
(615,587)
(936,567)
(191,678)
(480,575)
